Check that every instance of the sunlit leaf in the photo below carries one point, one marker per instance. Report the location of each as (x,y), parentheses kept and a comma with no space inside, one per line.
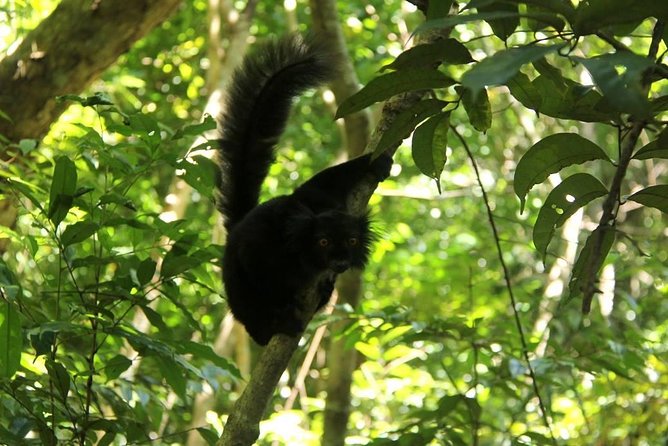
(564,200)
(550,155)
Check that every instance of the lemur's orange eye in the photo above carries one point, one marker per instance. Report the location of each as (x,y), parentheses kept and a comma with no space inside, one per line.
(323,242)
(352,241)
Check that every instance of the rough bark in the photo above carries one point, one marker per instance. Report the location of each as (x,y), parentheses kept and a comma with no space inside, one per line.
(65,53)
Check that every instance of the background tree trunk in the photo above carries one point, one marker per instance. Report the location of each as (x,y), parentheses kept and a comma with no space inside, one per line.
(70,48)
(341,361)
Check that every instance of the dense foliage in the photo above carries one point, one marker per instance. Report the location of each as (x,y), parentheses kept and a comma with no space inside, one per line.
(551,116)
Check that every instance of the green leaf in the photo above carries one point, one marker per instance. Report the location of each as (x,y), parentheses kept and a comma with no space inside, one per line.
(504,27)
(550,155)
(585,271)
(146,270)
(173,374)
(115,366)
(11,339)
(59,377)
(569,196)
(201,173)
(63,188)
(653,196)
(654,149)
(623,91)
(78,232)
(523,90)
(431,54)
(436,10)
(478,110)
(430,141)
(503,66)
(390,84)
(593,15)
(206,352)
(154,318)
(406,121)
(211,437)
(196,129)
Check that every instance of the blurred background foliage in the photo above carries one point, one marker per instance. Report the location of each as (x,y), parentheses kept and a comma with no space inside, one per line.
(441,357)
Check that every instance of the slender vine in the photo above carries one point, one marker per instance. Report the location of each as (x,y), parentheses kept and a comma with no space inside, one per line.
(509,287)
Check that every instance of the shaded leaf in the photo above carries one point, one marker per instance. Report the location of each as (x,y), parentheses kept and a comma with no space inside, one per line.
(587,266)
(406,121)
(11,339)
(430,141)
(654,149)
(78,232)
(550,155)
(385,86)
(623,91)
(564,200)
(593,15)
(478,110)
(63,188)
(59,377)
(653,196)
(502,27)
(430,54)
(503,66)
(115,366)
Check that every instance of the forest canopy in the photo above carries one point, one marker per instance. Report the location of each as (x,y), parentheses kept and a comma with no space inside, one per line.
(518,289)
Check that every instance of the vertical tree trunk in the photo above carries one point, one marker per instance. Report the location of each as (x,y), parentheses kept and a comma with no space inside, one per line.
(341,361)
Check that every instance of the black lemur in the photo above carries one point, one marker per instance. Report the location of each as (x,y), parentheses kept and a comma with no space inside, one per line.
(278,248)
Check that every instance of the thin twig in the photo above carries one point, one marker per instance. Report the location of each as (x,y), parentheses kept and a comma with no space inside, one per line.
(509,287)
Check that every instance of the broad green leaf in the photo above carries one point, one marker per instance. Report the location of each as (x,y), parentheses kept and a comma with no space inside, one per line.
(653,196)
(146,270)
(478,110)
(504,27)
(59,377)
(503,66)
(146,128)
(585,271)
(78,232)
(453,20)
(569,196)
(390,84)
(593,15)
(654,149)
(524,90)
(406,121)
(196,129)
(430,141)
(201,173)
(63,188)
(623,91)
(115,366)
(431,54)
(173,374)
(11,340)
(206,352)
(550,155)
(210,436)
